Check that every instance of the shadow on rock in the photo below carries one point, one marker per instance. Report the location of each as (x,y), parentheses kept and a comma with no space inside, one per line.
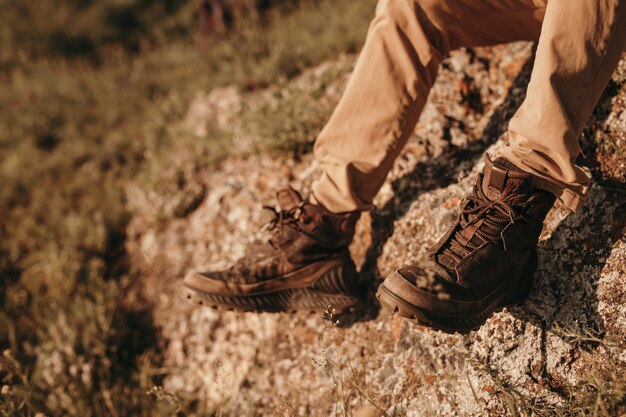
(564,294)
(595,135)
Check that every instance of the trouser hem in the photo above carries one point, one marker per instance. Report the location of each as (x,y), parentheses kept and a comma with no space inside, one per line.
(570,198)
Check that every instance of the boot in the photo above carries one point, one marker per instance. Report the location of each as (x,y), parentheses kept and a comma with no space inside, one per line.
(304,265)
(485,262)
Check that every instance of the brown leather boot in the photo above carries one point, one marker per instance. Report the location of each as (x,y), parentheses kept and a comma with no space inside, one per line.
(304,265)
(486,260)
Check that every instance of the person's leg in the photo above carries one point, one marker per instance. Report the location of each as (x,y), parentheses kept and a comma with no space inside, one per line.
(581,43)
(396,68)
(487,259)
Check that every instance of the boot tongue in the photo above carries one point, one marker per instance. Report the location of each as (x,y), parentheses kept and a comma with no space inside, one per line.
(502,179)
(288,198)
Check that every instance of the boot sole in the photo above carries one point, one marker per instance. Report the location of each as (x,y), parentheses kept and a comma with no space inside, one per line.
(503,297)
(334,290)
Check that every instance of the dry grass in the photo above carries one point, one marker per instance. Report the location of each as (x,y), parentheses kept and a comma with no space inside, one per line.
(74,132)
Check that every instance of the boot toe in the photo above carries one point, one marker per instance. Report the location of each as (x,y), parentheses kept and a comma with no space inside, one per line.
(425,290)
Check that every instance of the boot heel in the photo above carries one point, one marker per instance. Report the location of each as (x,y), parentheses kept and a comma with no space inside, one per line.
(341,279)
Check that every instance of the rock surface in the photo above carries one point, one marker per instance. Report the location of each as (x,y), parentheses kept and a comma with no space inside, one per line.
(572,327)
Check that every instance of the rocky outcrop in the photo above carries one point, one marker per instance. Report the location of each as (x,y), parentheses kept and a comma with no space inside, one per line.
(559,350)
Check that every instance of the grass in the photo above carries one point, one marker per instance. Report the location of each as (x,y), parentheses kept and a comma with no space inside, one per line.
(594,396)
(73,134)
(289,121)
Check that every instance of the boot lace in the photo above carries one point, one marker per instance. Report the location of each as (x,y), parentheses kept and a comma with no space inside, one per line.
(281,218)
(494,217)
(291,217)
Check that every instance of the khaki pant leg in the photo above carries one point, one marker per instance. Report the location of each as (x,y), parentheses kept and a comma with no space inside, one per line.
(386,93)
(580,46)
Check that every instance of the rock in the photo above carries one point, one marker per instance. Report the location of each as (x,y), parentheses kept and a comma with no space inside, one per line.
(572,325)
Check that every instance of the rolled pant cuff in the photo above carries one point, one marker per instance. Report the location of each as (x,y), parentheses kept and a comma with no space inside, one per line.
(569,198)
(572,197)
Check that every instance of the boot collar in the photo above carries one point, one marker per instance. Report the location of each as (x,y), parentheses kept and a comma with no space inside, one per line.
(500,178)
